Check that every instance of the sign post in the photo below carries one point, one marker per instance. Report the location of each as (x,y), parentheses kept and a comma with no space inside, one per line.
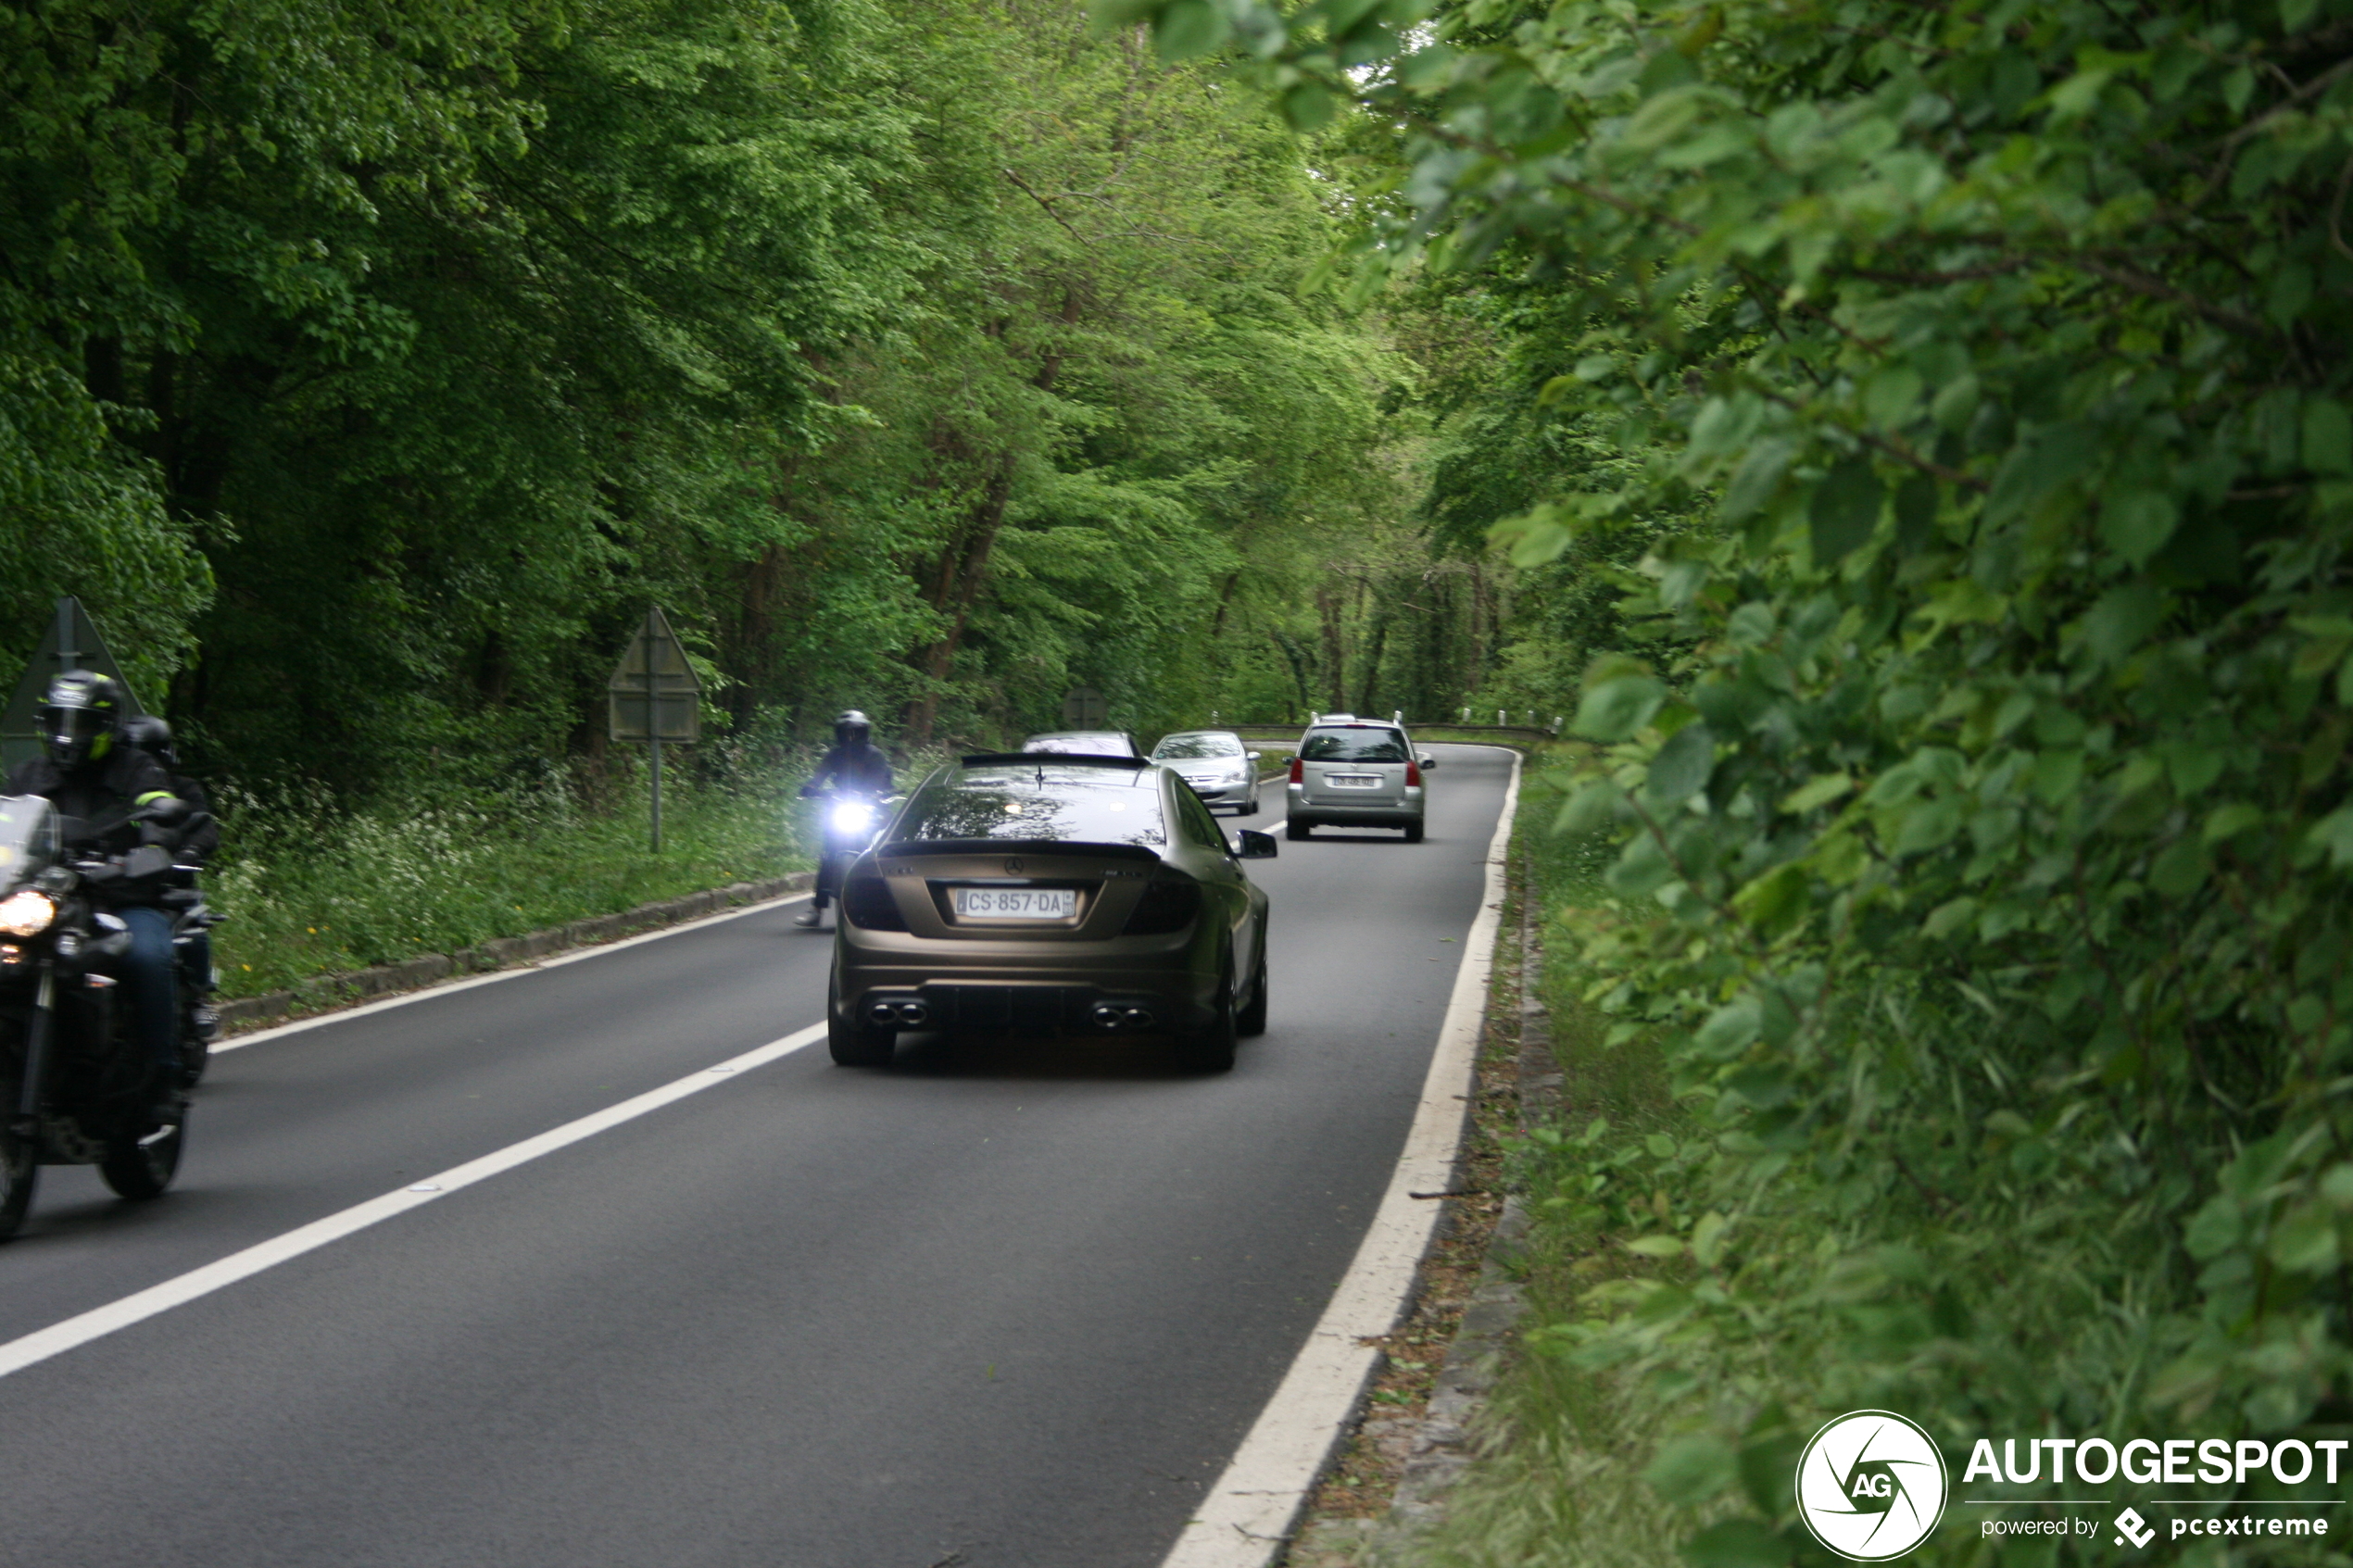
(654,697)
(72,643)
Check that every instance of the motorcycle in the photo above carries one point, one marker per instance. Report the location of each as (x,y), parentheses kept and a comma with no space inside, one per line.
(75,1089)
(849,822)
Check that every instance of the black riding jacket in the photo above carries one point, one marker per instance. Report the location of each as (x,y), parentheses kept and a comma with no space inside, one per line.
(864,770)
(111,788)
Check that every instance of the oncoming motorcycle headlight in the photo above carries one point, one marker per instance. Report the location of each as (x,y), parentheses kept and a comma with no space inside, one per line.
(27,912)
(851,816)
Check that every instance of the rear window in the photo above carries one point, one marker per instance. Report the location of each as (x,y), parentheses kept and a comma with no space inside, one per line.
(1366,745)
(1071,806)
(1178,748)
(1105,743)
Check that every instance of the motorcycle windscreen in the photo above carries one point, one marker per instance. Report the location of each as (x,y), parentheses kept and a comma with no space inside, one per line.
(27,838)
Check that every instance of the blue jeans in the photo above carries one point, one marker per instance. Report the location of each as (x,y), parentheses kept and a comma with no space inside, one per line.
(146,973)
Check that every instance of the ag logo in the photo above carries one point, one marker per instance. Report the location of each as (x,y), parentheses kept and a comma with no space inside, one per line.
(1870,1485)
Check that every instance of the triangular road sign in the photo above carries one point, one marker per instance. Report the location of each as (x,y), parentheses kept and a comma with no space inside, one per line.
(72,644)
(654,695)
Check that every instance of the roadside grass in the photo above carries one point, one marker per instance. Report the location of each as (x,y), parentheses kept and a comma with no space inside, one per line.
(1555,1480)
(1689,1329)
(311,887)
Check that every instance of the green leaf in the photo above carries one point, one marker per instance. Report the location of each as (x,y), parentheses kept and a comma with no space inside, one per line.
(1759,475)
(1656,1245)
(1843,509)
(1680,769)
(1689,1470)
(2122,620)
(2328,436)
(2182,869)
(2228,821)
(1187,28)
(2303,1240)
(1615,708)
(2135,523)
(1732,1027)
(1308,107)
(1737,1543)
(2215,1227)
(1916,503)
(1820,790)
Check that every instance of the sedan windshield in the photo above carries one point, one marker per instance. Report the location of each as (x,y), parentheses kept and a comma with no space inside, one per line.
(1069,806)
(1365,744)
(1177,749)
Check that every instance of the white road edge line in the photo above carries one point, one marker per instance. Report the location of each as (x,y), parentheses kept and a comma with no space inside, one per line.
(1251,1509)
(99,1322)
(443,987)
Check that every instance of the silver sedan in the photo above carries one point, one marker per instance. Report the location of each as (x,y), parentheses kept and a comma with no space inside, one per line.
(1222,771)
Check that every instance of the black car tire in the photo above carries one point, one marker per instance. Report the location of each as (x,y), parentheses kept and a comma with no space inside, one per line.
(1413,833)
(142,1171)
(853,1044)
(1251,1020)
(1211,1050)
(1295,830)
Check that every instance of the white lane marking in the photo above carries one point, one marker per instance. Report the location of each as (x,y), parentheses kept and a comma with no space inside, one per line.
(59,1337)
(443,987)
(1251,1509)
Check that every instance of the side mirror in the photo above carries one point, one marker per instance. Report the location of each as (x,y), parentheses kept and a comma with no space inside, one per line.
(1427,763)
(1253,756)
(1251,845)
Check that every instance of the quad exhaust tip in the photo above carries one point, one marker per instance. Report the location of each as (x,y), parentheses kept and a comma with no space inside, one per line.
(1119,1015)
(909,1014)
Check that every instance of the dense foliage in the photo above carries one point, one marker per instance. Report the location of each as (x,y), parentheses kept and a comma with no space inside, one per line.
(367,369)
(1950,402)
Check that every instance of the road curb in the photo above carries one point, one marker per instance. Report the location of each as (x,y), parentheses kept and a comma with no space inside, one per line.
(1439,1445)
(1254,1505)
(325,992)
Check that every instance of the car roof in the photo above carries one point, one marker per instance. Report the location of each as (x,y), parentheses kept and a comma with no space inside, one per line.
(1040,768)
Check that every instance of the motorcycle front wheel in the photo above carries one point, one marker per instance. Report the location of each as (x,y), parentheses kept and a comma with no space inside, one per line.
(142,1164)
(19,1158)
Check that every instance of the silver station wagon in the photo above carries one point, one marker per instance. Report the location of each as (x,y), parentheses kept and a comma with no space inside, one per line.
(1356,774)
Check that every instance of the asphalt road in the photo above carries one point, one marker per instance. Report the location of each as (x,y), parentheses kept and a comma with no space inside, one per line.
(1001,1306)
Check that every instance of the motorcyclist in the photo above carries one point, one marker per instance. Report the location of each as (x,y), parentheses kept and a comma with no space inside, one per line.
(854,766)
(118,797)
(195,845)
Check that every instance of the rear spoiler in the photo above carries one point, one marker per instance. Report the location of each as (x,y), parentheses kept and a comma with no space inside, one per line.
(908,849)
(1053,759)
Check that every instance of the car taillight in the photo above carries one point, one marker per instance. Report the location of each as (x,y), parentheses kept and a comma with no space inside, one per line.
(1412,774)
(867,902)
(1165,907)
(1298,770)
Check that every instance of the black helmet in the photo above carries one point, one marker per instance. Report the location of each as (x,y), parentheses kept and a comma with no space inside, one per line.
(78,717)
(853,729)
(153,736)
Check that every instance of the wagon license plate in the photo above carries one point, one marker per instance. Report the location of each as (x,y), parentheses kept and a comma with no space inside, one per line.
(1017,903)
(1352,780)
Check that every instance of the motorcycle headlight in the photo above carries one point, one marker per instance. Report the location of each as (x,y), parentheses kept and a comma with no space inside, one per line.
(849,816)
(27,912)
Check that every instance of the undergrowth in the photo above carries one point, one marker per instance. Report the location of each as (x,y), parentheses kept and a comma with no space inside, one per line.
(312,886)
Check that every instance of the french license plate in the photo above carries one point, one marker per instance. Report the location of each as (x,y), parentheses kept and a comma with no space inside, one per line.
(1352,780)
(1017,903)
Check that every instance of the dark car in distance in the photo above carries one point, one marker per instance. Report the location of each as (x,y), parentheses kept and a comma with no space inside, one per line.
(1045,894)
